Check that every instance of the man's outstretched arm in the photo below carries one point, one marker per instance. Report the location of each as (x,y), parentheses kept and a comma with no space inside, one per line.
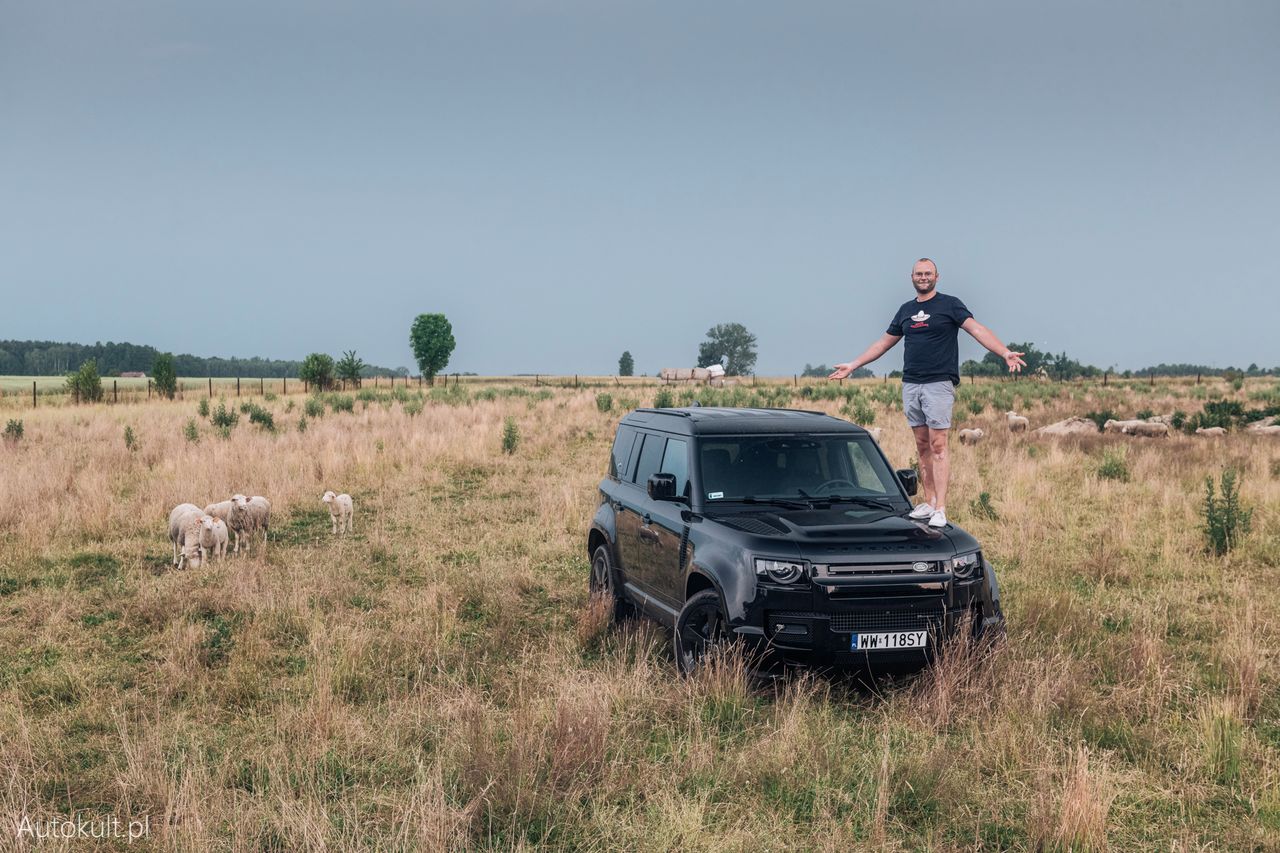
(873,352)
(988,339)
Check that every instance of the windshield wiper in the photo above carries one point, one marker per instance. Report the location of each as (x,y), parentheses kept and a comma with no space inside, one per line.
(773,501)
(878,503)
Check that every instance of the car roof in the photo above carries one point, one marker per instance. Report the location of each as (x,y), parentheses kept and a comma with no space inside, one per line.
(714,420)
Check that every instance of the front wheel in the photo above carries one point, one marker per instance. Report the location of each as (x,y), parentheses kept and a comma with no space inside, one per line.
(700,629)
(604,583)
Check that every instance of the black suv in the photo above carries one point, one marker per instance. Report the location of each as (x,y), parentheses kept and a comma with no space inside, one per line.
(785,529)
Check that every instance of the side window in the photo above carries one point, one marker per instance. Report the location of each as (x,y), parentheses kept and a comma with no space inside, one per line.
(650,458)
(620,459)
(676,461)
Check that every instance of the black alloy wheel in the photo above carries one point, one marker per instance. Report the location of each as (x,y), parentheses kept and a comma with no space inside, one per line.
(700,629)
(604,582)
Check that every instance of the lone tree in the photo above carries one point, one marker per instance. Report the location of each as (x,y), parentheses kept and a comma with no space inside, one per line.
(166,378)
(85,383)
(349,367)
(317,371)
(729,341)
(626,364)
(431,337)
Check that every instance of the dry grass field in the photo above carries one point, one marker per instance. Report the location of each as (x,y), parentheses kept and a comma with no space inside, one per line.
(439,680)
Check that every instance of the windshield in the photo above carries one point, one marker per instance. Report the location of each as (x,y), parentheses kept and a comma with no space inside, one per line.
(809,466)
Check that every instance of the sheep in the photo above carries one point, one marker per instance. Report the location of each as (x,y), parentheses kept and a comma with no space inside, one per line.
(213,536)
(1148,429)
(971,436)
(248,517)
(875,433)
(341,509)
(191,553)
(1211,431)
(177,519)
(222,510)
(1017,423)
(1274,429)
(1119,426)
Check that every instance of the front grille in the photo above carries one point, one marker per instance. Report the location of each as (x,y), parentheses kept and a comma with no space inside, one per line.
(873,621)
(875,569)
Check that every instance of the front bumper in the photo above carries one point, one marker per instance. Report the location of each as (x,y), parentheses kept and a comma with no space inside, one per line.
(814,625)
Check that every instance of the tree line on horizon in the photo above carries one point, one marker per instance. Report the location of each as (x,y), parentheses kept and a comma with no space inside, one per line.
(52,358)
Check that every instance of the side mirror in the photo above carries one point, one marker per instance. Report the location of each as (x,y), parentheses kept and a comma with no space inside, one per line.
(662,487)
(909,479)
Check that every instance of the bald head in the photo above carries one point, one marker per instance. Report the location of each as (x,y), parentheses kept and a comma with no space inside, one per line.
(924,276)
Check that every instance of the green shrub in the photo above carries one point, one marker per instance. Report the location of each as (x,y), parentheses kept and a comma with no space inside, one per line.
(1178,420)
(627,404)
(1144,414)
(982,508)
(411,407)
(486,395)
(342,403)
(663,399)
(13,430)
(130,438)
(1224,413)
(1114,467)
(302,424)
(270,396)
(224,418)
(86,383)
(976,406)
(162,373)
(510,435)
(314,407)
(288,406)
(262,418)
(604,402)
(1102,417)
(859,412)
(191,432)
(202,408)
(453,395)
(1226,522)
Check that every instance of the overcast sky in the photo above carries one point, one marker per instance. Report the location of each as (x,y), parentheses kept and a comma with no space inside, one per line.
(566,179)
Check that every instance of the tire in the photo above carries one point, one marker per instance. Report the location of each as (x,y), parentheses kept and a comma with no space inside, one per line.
(604,582)
(700,628)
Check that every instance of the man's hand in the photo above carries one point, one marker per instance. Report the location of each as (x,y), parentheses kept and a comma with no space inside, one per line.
(842,370)
(1014,360)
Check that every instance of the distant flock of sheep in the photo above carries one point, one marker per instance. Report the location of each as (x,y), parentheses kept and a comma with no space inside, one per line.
(1156,427)
(199,535)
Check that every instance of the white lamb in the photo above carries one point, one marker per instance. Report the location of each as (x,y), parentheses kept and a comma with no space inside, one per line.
(222,510)
(341,509)
(1148,430)
(1017,423)
(1211,431)
(1118,426)
(971,436)
(213,536)
(177,524)
(250,516)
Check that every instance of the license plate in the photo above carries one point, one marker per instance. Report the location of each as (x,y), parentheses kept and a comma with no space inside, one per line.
(880,642)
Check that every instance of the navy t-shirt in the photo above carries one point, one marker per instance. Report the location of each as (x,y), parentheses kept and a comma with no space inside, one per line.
(931,352)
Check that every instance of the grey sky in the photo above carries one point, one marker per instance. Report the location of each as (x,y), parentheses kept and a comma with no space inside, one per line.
(566,179)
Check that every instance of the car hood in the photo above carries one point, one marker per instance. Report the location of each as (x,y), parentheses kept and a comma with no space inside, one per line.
(853,534)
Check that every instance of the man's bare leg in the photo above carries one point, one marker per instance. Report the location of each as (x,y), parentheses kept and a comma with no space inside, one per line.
(924,449)
(941,464)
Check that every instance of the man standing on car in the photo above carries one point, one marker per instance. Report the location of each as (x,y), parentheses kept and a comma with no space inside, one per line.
(930,373)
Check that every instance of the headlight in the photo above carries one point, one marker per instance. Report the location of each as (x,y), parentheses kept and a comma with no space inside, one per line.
(965,564)
(779,571)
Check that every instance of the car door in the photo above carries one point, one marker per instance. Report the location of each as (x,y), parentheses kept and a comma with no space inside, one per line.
(668,527)
(636,536)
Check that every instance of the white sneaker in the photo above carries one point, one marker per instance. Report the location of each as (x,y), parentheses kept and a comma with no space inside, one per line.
(938,519)
(921,512)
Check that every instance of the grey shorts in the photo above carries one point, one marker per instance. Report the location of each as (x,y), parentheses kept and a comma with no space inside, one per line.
(928,404)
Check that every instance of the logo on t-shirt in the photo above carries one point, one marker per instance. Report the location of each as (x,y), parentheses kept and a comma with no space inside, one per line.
(919,317)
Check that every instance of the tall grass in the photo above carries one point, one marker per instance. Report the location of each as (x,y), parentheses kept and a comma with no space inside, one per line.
(440,679)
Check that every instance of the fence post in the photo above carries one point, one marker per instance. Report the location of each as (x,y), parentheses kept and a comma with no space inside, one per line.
(262,385)
(237,386)
(795,380)
(284,385)
(210,387)
(1105,374)
(575,380)
(33,393)
(1197,379)
(115,390)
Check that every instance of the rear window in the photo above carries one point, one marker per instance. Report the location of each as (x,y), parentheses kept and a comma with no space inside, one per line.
(620,458)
